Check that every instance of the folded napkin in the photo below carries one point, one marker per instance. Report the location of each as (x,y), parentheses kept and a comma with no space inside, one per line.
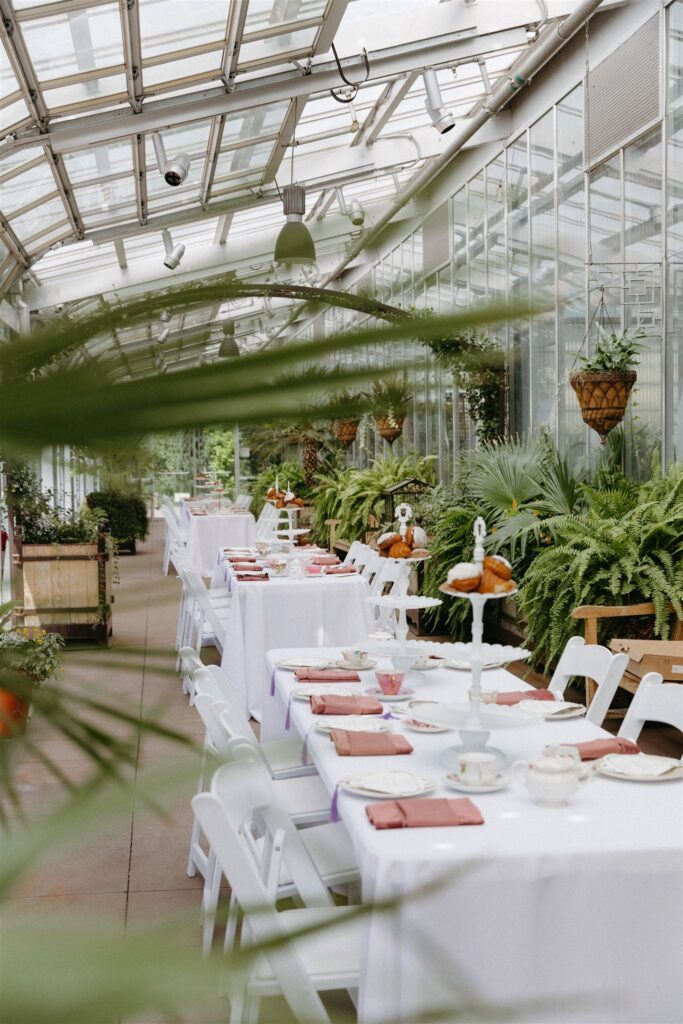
(514,696)
(369,744)
(424,813)
(641,766)
(325,560)
(242,559)
(327,675)
(251,579)
(341,570)
(245,566)
(334,704)
(591,750)
(199,512)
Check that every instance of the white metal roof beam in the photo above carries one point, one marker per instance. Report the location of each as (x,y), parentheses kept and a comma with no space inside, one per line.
(334,12)
(81,133)
(384,109)
(223,229)
(121,253)
(132,48)
(233,39)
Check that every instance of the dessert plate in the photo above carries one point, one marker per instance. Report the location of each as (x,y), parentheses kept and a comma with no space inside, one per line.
(354,723)
(375,691)
(551,709)
(304,662)
(388,785)
(323,689)
(417,726)
(453,781)
(370,663)
(640,767)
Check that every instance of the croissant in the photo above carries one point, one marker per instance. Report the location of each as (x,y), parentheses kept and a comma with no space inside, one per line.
(387,540)
(499,565)
(491,583)
(420,553)
(400,550)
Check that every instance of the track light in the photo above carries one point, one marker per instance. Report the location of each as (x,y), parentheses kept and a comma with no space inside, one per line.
(164,334)
(442,120)
(175,170)
(174,253)
(294,245)
(354,211)
(164,316)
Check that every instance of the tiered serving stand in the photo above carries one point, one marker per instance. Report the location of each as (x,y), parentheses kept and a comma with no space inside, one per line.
(475,721)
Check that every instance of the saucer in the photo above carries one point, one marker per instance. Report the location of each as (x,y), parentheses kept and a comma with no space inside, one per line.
(432,663)
(417,726)
(453,781)
(370,663)
(375,691)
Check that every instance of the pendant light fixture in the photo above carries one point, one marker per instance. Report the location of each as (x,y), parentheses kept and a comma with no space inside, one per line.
(228,348)
(294,246)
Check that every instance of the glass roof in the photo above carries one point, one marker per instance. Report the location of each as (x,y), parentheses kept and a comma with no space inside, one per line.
(80,190)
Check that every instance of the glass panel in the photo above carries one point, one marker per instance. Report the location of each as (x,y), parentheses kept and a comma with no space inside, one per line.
(99,162)
(253,123)
(460,291)
(26,187)
(107,197)
(190,24)
(262,13)
(571,275)
(267,49)
(643,199)
(675,225)
(12,115)
(65,44)
(245,158)
(207,65)
(517,197)
(112,87)
(40,218)
(605,211)
(476,207)
(543,369)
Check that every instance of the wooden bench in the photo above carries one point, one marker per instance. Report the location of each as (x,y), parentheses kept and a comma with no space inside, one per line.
(592,613)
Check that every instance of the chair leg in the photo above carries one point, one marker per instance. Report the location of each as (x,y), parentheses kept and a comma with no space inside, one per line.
(212,888)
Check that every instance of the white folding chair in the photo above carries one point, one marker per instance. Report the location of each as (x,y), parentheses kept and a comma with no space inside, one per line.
(365,555)
(176,539)
(385,581)
(210,617)
(298,969)
(653,701)
(354,552)
(267,523)
(591,661)
(324,851)
(371,566)
(243,501)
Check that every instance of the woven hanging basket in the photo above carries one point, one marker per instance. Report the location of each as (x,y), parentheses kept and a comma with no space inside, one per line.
(389,429)
(345,431)
(603,397)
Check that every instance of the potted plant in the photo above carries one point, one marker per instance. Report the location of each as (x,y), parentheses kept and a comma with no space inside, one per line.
(390,401)
(346,421)
(604,382)
(29,652)
(126,516)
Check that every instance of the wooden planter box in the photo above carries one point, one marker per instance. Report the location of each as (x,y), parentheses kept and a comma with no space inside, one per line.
(66,588)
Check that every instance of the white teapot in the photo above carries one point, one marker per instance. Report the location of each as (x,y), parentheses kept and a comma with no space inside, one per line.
(553,777)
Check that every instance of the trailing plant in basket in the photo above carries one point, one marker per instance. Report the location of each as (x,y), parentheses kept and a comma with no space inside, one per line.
(391,400)
(614,352)
(604,382)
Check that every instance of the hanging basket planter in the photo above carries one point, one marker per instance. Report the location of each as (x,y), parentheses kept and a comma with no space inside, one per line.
(389,428)
(603,397)
(345,431)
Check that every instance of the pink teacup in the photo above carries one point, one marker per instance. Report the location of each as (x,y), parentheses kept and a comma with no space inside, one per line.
(390,683)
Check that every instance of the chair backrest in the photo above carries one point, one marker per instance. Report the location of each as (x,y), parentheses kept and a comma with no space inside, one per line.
(371,566)
(168,504)
(223,821)
(365,553)
(590,661)
(267,522)
(244,501)
(354,552)
(172,524)
(201,597)
(388,571)
(653,701)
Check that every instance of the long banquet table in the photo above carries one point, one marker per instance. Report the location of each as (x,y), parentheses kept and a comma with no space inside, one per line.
(310,612)
(554,914)
(207,533)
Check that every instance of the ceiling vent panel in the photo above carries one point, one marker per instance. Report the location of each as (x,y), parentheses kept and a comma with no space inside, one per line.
(623,93)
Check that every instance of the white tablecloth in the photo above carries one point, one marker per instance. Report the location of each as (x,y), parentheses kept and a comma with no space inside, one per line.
(307,612)
(554,914)
(206,534)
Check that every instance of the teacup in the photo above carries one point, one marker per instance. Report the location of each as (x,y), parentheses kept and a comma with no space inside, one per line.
(390,683)
(478,769)
(422,662)
(355,657)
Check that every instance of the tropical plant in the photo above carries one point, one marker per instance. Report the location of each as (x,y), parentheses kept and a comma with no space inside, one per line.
(614,352)
(126,515)
(219,446)
(618,555)
(391,398)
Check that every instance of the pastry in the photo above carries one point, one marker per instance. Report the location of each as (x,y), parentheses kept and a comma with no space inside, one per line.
(419,553)
(280,503)
(420,539)
(400,550)
(409,536)
(499,565)
(491,583)
(271,493)
(464,576)
(386,540)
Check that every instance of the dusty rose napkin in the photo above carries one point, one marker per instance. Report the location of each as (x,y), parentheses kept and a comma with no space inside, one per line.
(251,579)
(340,570)
(591,750)
(241,559)
(369,744)
(335,704)
(424,813)
(325,560)
(245,566)
(514,696)
(327,675)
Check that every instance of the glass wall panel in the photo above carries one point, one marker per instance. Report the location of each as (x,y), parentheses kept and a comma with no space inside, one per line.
(674,240)
(476,208)
(543,265)
(517,198)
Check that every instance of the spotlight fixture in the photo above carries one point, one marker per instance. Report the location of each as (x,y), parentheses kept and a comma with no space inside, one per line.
(174,253)
(442,120)
(164,316)
(164,334)
(228,348)
(294,246)
(175,170)
(354,211)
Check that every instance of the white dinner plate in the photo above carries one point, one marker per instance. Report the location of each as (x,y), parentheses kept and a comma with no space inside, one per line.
(304,662)
(375,691)
(388,785)
(354,723)
(370,663)
(551,710)
(323,689)
(453,781)
(464,666)
(609,766)
(417,726)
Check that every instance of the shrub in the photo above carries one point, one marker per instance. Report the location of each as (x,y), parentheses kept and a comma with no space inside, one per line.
(126,514)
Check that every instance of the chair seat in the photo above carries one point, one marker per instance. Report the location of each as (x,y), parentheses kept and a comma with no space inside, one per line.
(284,758)
(305,798)
(330,956)
(331,852)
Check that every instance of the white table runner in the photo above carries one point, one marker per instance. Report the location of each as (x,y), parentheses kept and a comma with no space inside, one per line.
(560,914)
